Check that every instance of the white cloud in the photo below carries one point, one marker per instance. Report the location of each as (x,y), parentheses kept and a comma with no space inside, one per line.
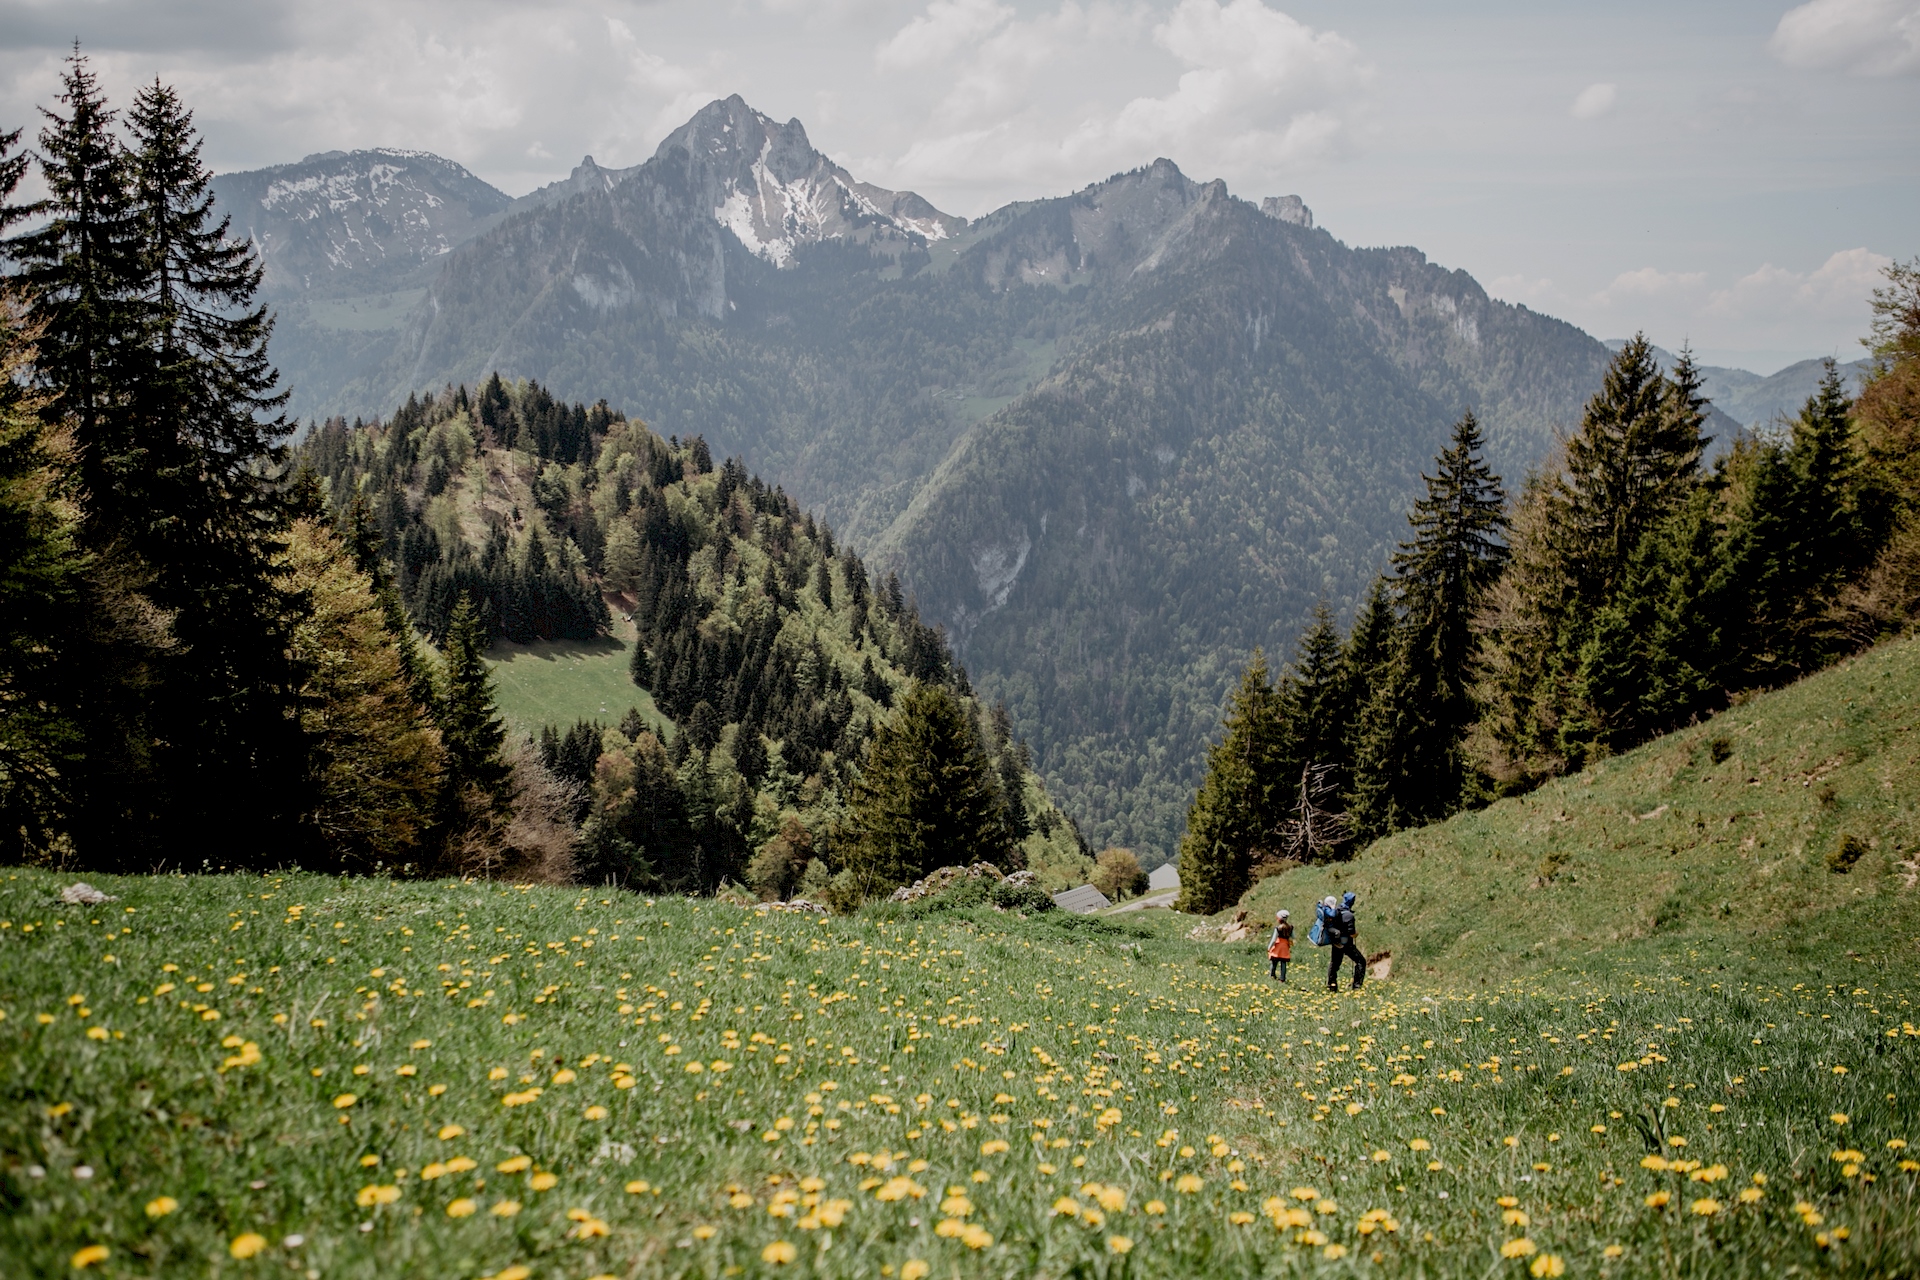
(1771,312)
(1865,37)
(1837,290)
(1650,285)
(942,31)
(1253,90)
(1594,101)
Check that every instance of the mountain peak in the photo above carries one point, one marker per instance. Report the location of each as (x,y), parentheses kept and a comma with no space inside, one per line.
(765,182)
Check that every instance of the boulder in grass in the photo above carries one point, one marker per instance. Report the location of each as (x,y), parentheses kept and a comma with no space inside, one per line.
(82,894)
(1380,966)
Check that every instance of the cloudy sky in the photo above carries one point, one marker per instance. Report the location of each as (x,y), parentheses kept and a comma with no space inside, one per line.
(1729,173)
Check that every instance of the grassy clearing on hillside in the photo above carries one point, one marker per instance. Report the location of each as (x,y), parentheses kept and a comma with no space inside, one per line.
(561,682)
(1713,840)
(356,1078)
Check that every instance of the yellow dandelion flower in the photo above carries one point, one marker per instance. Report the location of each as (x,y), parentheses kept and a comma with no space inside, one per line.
(370,1196)
(639,1187)
(246,1246)
(461,1208)
(596,1113)
(1838,1117)
(1419,1144)
(1706,1207)
(1548,1264)
(1154,1208)
(1115,1244)
(1516,1218)
(515,1164)
(448,1132)
(1187,1184)
(976,1237)
(1614,1251)
(161,1206)
(915,1269)
(505,1208)
(1240,1218)
(1519,1248)
(84,1258)
(543,1181)
(1752,1195)
(344,1101)
(1658,1200)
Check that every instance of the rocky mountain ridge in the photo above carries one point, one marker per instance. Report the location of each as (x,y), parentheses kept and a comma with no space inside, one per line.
(1113,440)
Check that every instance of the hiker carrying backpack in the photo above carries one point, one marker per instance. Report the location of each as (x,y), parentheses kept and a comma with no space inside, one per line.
(1342,933)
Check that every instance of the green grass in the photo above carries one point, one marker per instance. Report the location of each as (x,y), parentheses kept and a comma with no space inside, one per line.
(1668,851)
(1676,1045)
(561,682)
(858,1079)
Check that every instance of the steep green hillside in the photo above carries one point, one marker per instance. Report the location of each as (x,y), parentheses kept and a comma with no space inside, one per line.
(1714,844)
(733,615)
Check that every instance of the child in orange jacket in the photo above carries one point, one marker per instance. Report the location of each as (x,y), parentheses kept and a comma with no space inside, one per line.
(1280,949)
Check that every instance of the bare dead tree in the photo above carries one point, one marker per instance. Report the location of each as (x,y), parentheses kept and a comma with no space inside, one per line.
(1314,832)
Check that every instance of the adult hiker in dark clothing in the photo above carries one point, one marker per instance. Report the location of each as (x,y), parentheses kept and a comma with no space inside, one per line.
(1343,933)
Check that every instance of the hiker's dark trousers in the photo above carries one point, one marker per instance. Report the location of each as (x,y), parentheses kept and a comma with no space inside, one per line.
(1345,950)
(1276,968)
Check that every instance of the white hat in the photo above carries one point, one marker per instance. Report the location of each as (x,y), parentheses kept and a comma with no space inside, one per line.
(1281,916)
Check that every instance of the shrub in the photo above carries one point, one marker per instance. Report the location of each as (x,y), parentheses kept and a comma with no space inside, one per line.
(1029,898)
(1720,749)
(1849,851)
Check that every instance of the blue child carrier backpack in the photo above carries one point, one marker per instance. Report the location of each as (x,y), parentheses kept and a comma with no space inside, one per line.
(1318,935)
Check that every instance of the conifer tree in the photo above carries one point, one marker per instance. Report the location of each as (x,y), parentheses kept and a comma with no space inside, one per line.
(1410,767)
(1242,799)
(81,269)
(1631,463)
(470,724)
(927,795)
(1657,654)
(1314,704)
(1801,535)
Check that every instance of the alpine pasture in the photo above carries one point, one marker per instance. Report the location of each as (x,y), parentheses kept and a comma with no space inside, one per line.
(320,1077)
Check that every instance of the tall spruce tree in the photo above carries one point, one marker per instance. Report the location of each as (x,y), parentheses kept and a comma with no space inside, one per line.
(1632,462)
(1801,534)
(927,795)
(81,268)
(1315,705)
(1242,800)
(1411,766)
(470,724)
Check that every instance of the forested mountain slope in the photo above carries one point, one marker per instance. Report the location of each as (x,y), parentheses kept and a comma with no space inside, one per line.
(760,638)
(1111,441)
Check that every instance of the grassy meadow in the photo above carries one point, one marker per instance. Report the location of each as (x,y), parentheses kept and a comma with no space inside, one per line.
(1640,1024)
(561,682)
